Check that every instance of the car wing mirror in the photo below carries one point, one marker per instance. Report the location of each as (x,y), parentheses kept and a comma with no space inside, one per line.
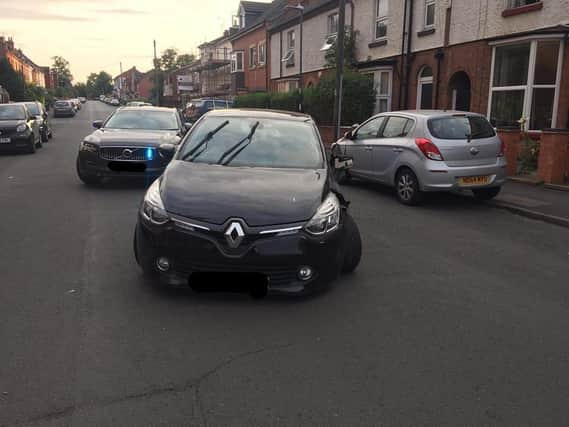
(98,124)
(167,150)
(350,134)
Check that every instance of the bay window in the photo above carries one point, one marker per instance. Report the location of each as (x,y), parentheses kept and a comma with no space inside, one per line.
(525,83)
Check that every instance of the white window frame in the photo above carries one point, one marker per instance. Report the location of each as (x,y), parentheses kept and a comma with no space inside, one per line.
(380,18)
(529,86)
(427,4)
(234,61)
(289,57)
(253,56)
(376,73)
(510,5)
(423,81)
(329,30)
(262,44)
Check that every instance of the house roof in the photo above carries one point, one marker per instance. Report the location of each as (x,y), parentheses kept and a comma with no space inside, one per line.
(289,17)
(255,6)
(274,9)
(129,71)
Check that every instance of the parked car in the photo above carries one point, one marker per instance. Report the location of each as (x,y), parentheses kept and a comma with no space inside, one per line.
(115,102)
(424,151)
(101,97)
(248,192)
(19,129)
(82,99)
(138,104)
(64,109)
(37,109)
(198,107)
(128,144)
(77,103)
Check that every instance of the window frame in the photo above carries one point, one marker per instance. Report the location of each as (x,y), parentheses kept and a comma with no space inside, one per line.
(510,5)
(329,22)
(253,56)
(234,62)
(376,75)
(428,3)
(529,87)
(291,47)
(409,123)
(380,18)
(262,44)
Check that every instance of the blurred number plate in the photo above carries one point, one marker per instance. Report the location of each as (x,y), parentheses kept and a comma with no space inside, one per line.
(4,140)
(474,180)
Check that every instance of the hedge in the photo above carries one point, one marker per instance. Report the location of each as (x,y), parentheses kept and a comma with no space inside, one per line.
(357,103)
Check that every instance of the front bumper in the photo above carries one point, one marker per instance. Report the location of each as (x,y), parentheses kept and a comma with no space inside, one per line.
(17,141)
(90,163)
(278,257)
(63,113)
(437,176)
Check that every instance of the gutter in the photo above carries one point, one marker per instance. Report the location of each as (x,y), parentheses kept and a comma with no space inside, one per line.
(402,70)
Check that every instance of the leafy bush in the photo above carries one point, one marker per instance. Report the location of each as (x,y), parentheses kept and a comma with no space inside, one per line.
(357,102)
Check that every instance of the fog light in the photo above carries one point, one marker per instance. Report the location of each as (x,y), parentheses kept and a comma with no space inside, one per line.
(305,273)
(163,264)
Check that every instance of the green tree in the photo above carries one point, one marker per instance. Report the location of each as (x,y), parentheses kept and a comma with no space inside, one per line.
(12,81)
(61,67)
(349,51)
(80,89)
(168,60)
(99,84)
(184,59)
(158,88)
(34,93)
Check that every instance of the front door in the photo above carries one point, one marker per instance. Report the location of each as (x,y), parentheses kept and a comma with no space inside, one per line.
(388,148)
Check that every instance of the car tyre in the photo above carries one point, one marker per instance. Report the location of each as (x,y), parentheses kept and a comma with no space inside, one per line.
(353,253)
(32,146)
(44,136)
(407,187)
(486,193)
(87,179)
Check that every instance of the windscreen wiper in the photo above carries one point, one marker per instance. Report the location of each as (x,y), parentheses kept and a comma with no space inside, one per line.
(203,142)
(248,138)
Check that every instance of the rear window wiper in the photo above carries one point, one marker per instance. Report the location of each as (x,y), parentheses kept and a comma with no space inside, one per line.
(225,162)
(203,142)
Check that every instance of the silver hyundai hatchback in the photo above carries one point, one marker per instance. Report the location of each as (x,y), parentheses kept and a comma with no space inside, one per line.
(424,151)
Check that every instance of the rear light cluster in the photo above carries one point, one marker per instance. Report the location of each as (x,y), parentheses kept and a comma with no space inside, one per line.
(502,149)
(429,149)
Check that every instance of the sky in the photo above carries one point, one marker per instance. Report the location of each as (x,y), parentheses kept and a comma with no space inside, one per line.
(95,35)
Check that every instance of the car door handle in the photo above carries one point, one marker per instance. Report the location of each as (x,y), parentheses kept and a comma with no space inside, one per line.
(398,150)
(369,148)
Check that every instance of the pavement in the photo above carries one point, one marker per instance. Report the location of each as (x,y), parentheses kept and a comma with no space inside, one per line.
(457,316)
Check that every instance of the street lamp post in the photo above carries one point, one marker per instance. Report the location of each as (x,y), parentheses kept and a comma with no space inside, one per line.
(300,9)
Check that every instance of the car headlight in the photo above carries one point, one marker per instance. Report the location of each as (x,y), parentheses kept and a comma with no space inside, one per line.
(327,216)
(22,128)
(152,207)
(88,146)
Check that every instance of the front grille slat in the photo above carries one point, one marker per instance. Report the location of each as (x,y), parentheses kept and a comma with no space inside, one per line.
(117,153)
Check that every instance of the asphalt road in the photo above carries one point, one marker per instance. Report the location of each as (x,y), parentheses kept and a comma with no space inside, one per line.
(457,316)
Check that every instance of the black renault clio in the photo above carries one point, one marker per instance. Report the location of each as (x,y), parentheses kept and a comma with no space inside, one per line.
(248,194)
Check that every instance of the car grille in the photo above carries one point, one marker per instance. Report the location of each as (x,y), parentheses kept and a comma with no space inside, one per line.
(118,153)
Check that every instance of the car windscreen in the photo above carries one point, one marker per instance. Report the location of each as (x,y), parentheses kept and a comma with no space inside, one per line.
(143,119)
(254,142)
(61,104)
(33,108)
(12,112)
(460,127)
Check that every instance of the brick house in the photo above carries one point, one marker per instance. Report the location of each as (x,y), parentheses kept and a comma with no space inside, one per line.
(146,85)
(507,63)
(126,84)
(214,66)
(320,25)
(249,56)
(182,84)
(31,72)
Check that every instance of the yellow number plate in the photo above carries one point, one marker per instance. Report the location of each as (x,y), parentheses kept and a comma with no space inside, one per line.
(473,180)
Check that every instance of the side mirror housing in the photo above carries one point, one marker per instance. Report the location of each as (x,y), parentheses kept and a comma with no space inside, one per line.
(167,150)
(98,124)
(350,134)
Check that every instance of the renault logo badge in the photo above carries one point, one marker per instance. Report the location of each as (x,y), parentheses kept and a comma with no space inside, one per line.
(126,153)
(234,235)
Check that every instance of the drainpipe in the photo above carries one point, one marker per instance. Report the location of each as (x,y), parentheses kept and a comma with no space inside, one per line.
(439,55)
(351,3)
(401,68)
(408,62)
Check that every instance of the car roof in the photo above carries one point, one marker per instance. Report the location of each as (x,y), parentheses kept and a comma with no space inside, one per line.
(148,108)
(260,114)
(433,113)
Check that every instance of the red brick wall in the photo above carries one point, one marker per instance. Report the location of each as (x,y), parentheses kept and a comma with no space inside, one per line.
(145,86)
(255,78)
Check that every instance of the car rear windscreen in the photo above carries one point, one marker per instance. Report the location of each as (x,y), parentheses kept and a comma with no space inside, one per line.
(460,127)
(33,108)
(61,104)
(12,112)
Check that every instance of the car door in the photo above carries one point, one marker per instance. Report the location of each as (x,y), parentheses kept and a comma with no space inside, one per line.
(389,146)
(360,146)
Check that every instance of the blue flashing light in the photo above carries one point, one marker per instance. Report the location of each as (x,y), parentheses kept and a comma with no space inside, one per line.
(149,154)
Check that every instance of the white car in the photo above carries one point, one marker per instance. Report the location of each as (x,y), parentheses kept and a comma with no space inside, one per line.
(115,101)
